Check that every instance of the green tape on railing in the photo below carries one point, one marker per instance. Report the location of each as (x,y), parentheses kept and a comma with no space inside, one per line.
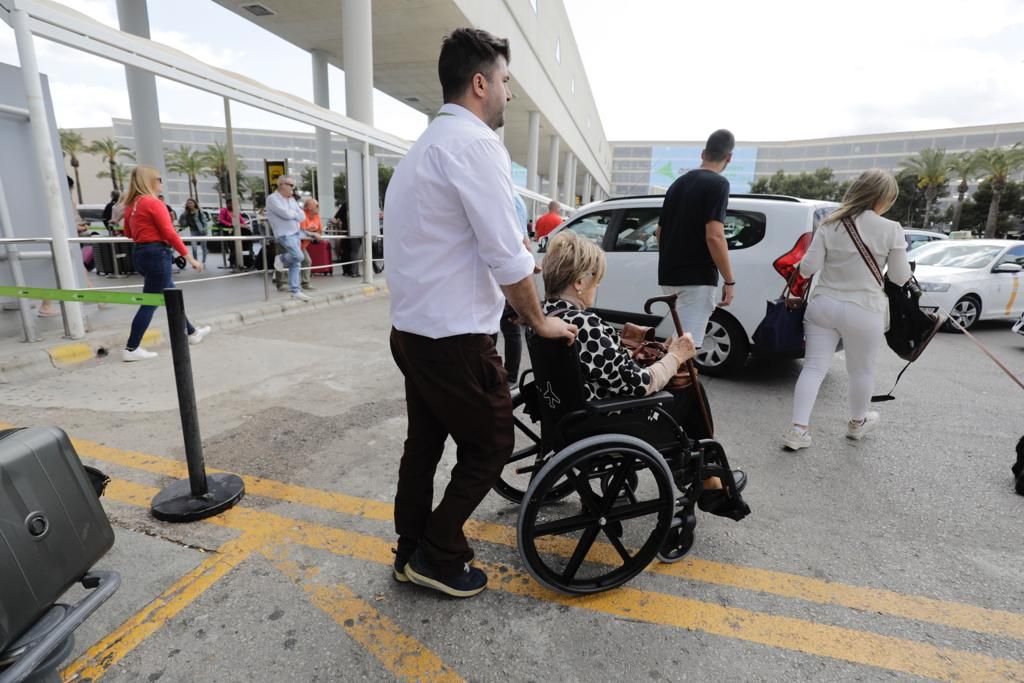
(87,295)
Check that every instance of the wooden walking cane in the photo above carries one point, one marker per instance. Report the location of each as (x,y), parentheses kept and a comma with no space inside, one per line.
(670,301)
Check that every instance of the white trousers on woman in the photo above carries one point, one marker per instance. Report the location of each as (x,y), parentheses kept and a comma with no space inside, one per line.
(825,322)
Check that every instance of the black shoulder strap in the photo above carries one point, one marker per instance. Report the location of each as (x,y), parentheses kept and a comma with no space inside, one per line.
(865,254)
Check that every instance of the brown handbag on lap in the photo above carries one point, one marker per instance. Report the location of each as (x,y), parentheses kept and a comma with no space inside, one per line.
(646,351)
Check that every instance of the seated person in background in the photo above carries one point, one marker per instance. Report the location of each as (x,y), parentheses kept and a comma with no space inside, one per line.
(572,270)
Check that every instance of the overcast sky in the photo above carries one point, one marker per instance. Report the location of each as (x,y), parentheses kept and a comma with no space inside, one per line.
(660,70)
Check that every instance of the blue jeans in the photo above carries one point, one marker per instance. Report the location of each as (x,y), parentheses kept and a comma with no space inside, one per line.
(198,246)
(153,261)
(290,247)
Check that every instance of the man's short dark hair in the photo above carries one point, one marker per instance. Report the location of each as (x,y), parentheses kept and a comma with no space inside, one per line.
(720,145)
(465,53)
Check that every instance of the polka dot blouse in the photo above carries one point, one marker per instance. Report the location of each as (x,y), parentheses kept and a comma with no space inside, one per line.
(607,367)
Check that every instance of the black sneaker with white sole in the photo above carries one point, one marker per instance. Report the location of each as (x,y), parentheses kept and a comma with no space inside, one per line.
(463,584)
(402,555)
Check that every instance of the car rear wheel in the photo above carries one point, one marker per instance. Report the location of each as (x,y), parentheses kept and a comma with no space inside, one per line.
(725,347)
(966,311)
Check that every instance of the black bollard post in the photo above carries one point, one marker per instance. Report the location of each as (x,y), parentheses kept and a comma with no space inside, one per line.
(200,496)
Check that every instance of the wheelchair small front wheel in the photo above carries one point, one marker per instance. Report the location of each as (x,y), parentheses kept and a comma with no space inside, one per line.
(677,544)
(597,537)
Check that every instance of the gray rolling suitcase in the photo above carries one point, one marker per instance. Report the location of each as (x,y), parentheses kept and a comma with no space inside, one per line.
(52,527)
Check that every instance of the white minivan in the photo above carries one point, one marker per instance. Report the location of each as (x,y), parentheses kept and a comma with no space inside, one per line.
(759,229)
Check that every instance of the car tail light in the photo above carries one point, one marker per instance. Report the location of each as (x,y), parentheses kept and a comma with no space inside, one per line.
(785,265)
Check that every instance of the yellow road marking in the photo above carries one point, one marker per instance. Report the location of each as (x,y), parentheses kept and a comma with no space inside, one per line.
(1013,294)
(113,648)
(872,600)
(787,633)
(405,657)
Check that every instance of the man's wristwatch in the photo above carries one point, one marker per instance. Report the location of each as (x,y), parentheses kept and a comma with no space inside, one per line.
(730,284)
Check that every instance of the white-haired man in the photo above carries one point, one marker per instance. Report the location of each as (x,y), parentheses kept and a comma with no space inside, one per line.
(285,217)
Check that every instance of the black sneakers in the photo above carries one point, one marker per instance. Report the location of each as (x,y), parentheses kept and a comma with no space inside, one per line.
(464,584)
(402,555)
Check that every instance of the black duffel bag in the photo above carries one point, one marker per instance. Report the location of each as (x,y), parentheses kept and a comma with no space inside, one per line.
(910,328)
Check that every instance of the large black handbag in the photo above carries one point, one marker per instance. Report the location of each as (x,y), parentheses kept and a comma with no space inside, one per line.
(910,328)
(782,330)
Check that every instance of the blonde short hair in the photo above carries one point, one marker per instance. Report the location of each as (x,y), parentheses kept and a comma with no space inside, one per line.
(871,188)
(569,258)
(142,182)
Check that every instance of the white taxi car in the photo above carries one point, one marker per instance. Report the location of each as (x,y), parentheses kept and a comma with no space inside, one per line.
(971,280)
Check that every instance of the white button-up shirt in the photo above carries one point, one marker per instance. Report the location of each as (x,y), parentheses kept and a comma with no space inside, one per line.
(283,214)
(451,230)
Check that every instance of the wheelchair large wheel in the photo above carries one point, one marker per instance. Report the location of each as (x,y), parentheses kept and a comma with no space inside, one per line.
(594,540)
(527,459)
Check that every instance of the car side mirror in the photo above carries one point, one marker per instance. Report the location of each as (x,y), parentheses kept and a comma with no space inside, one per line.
(1007,268)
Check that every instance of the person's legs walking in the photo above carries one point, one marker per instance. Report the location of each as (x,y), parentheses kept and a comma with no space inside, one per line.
(821,337)
(154,263)
(862,331)
(694,304)
(461,382)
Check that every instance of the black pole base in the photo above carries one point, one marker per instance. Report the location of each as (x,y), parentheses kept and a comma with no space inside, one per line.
(177,504)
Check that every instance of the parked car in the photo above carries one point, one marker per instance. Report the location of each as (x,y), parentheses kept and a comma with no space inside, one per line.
(916,238)
(972,280)
(759,229)
(1018,326)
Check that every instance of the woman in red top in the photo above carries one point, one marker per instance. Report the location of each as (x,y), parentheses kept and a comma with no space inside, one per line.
(149,225)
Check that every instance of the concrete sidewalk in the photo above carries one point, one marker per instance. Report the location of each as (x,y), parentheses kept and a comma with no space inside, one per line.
(223,304)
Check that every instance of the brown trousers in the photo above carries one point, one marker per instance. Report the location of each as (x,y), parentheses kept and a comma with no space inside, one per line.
(454,386)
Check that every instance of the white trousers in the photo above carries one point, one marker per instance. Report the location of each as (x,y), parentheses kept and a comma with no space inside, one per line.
(695,305)
(826,321)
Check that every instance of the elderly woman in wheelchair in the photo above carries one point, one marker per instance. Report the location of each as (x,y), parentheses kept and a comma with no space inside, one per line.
(618,464)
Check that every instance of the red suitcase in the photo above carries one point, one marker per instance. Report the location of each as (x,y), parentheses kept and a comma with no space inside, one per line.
(320,255)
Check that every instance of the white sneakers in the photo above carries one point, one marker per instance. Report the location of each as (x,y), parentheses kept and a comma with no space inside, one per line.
(300,296)
(856,430)
(796,439)
(138,354)
(198,335)
(142,354)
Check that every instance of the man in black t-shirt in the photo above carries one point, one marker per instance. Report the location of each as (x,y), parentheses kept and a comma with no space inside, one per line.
(691,237)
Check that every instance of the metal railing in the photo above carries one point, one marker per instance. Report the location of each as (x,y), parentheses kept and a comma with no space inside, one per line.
(9,252)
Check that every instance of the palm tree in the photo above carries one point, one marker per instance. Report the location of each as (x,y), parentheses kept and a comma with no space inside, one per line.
(998,164)
(109,150)
(120,173)
(963,166)
(71,144)
(189,163)
(255,187)
(215,161)
(931,167)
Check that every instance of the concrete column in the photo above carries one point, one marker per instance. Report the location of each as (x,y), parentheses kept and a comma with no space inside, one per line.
(51,178)
(357,58)
(567,187)
(324,166)
(572,180)
(533,152)
(553,167)
(587,187)
(133,16)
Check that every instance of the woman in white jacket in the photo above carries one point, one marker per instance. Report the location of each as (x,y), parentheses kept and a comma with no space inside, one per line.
(847,303)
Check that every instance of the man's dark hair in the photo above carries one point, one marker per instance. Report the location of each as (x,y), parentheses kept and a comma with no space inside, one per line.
(719,146)
(465,53)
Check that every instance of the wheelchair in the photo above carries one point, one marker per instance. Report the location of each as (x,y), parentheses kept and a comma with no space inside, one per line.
(604,486)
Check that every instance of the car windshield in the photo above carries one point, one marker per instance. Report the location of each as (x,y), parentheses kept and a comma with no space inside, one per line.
(953,255)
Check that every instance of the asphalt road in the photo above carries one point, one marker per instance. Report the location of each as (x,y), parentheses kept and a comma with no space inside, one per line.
(897,557)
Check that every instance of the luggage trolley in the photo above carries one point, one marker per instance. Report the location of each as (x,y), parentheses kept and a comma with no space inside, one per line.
(604,486)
